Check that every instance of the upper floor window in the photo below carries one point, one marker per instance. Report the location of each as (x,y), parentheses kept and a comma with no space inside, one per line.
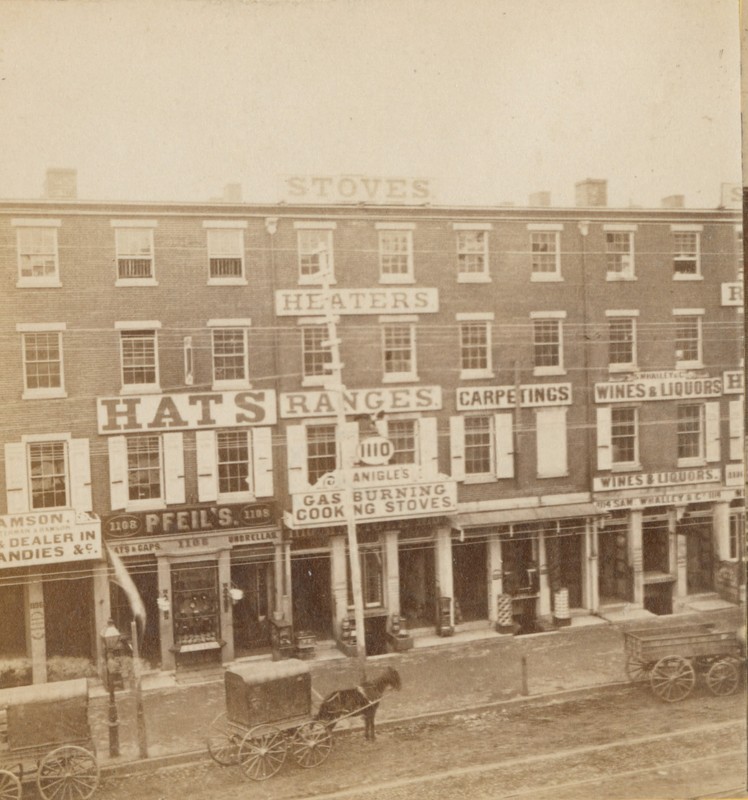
(144,468)
(621,340)
(234,460)
(48,466)
(134,245)
(395,252)
(314,355)
(38,263)
(225,252)
(398,351)
(686,252)
(42,359)
(475,345)
(230,359)
(472,252)
(479,446)
(688,346)
(545,251)
(139,357)
(619,252)
(321,451)
(624,436)
(548,342)
(402,433)
(691,433)
(315,251)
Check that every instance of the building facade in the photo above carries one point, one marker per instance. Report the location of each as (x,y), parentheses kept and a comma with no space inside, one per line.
(543,417)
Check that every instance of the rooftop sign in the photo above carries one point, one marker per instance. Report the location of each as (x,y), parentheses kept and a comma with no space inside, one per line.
(651,388)
(303,302)
(530,396)
(361,401)
(355,189)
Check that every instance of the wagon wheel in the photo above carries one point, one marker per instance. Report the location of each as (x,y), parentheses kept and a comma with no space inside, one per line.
(723,677)
(262,752)
(637,669)
(222,741)
(672,678)
(311,744)
(10,786)
(68,772)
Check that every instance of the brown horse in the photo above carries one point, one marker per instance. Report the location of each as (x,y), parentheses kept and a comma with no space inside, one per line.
(362,701)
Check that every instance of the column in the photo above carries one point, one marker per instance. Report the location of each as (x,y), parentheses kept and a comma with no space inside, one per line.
(287,582)
(339,581)
(593,577)
(278,582)
(495,582)
(102,604)
(443,559)
(635,555)
(392,573)
(165,623)
(226,606)
(544,601)
(721,523)
(678,552)
(36,636)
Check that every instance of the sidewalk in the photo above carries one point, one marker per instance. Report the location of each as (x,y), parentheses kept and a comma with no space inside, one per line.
(470,669)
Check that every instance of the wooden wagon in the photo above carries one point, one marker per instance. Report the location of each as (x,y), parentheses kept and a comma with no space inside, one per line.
(268,715)
(672,658)
(45,734)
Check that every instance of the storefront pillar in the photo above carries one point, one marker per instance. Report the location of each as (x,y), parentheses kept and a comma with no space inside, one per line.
(226,605)
(287,583)
(165,624)
(544,588)
(636,558)
(392,573)
(102,603)
(495,581)
(339,581)
(678,555)
(592,583)
(35,631)
(721,524)
(443,559)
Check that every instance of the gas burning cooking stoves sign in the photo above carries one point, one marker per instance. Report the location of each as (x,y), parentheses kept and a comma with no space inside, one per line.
(47,537)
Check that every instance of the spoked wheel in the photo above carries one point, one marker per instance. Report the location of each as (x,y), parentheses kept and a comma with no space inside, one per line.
(68,773)
(10,786)
(262,752)
(723,677)
(223,741)
(637,670)
(672,678)
(311,744)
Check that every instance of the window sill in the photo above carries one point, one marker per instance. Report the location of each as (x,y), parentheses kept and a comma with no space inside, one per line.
(222,386)
(313,280)
(689,365)
(628,467)
(466,277)
(26,284)
(400,377)
(613,277)
(474,374)
(49,394)
(145,388)
(539,372)
(124,282)
(555,475)
(480,479)
(228,282)
(691,462)
(237,497)
(622,368)
(396,279)
(546,277)
(144,505)
(678,277)
(313,380)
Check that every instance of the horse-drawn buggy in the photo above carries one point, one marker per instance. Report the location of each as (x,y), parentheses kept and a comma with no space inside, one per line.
(671,659)
(45,733)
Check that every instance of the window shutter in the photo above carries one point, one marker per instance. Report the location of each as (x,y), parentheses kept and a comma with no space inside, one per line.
(737,426)
(604,444)
(457,447)
(118,472)
(298,479)
(348,445)
(428,447)
(262,460)
(173,468)
(80,475)
(504,438)
(712,431)
(207,468)
(550,426)
(16,478)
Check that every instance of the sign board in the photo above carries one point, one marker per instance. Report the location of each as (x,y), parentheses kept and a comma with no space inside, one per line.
(534,395)
(186,543)
(732,294)
(305,302)
(48,537)
(384,475)
(374,451)
(731,195)
(355,189)
(733,381)
(186,411)
(361,401)
(640,480)
(734,475)
(671,388)
(682,497)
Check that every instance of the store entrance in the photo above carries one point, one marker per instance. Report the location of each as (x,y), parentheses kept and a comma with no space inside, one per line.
(614,575)
(12,627)
(570,555)
(469,580)
(312,594)
(197,624)
(417,584)
(143,572)
(68,617)
(252,612)
(699,555)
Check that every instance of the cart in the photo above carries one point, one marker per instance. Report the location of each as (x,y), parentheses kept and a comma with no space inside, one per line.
(268,714)
(671,658)
(45,732)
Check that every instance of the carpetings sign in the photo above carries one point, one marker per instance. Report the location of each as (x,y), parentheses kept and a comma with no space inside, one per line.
(355,189)
(48,537)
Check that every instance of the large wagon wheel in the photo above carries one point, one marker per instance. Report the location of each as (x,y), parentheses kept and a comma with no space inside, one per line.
(10,786)
(672,678)
(723,677)
(68,773)
(262,752)
(311,744)
(637,669)
(222,741)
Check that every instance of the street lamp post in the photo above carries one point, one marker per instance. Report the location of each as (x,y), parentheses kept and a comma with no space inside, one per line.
(112,640)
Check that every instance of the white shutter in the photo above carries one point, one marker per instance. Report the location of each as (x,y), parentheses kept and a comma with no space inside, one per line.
(173,468)
(550,426)
(348,444)
(262,461)
(457,447)
(298,475)
(604,443)
(207,467)
(504,440)
(712,431)
(118,472)
(428,447)
(737,425)
(16,478)
(80,475)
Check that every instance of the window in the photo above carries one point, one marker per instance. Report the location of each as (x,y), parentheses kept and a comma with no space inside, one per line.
(230,357)
(372,576)
(472,252)
(38,263)
(395,254)
(144,479)
(691,432)
(475,348)
(139,361)
(621,343)
(686,256)
(687,341)
(49,475)
(619,253)
(134,254)
(314,357)
(321,451)
(545,252)
(398,347)
(225,255)
(402,434)
(547,345)
(315,251)
(42,360)
(624,436)
(234,462)
(479,458)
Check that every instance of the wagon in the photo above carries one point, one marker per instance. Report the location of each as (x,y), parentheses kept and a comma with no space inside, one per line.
(268,715)
(45,733)
(671,658)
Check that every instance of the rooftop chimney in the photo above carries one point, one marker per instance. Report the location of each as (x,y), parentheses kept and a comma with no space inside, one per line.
(674,201)
(591,192)
(61,184)
(232,193)
(540,199)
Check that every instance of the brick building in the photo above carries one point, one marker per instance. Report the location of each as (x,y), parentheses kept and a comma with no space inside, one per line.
(543,414)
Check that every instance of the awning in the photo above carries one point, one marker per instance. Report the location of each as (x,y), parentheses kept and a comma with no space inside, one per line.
(483,519)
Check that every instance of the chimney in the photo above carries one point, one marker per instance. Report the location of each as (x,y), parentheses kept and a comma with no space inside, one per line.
(674,201)
(232,193)
(591,192)
(540,199)
(61,184)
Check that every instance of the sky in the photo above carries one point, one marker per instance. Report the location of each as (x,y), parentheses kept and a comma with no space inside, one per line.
(491,100)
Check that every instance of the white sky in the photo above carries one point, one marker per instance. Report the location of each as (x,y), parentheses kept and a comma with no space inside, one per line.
(492,99)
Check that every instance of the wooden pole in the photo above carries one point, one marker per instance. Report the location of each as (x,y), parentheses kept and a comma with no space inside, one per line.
(138,693)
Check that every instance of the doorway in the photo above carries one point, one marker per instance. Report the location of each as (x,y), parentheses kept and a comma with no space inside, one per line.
(252,612)
(699,554)
(570,552)
(312,594)
(68,617)
(417,584)
(614,575)
(469,579)
(143,572)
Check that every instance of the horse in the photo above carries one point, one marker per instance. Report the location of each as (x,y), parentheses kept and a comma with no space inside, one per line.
(362,701)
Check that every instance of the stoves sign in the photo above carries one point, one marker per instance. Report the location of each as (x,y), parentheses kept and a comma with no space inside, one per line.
(191,519)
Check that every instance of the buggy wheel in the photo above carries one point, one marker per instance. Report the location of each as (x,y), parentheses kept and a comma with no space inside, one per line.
(672,678)
(222,741)
(68,773)
(311,744)
(636,669)
(723,677)
(262,752)
(10,786)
